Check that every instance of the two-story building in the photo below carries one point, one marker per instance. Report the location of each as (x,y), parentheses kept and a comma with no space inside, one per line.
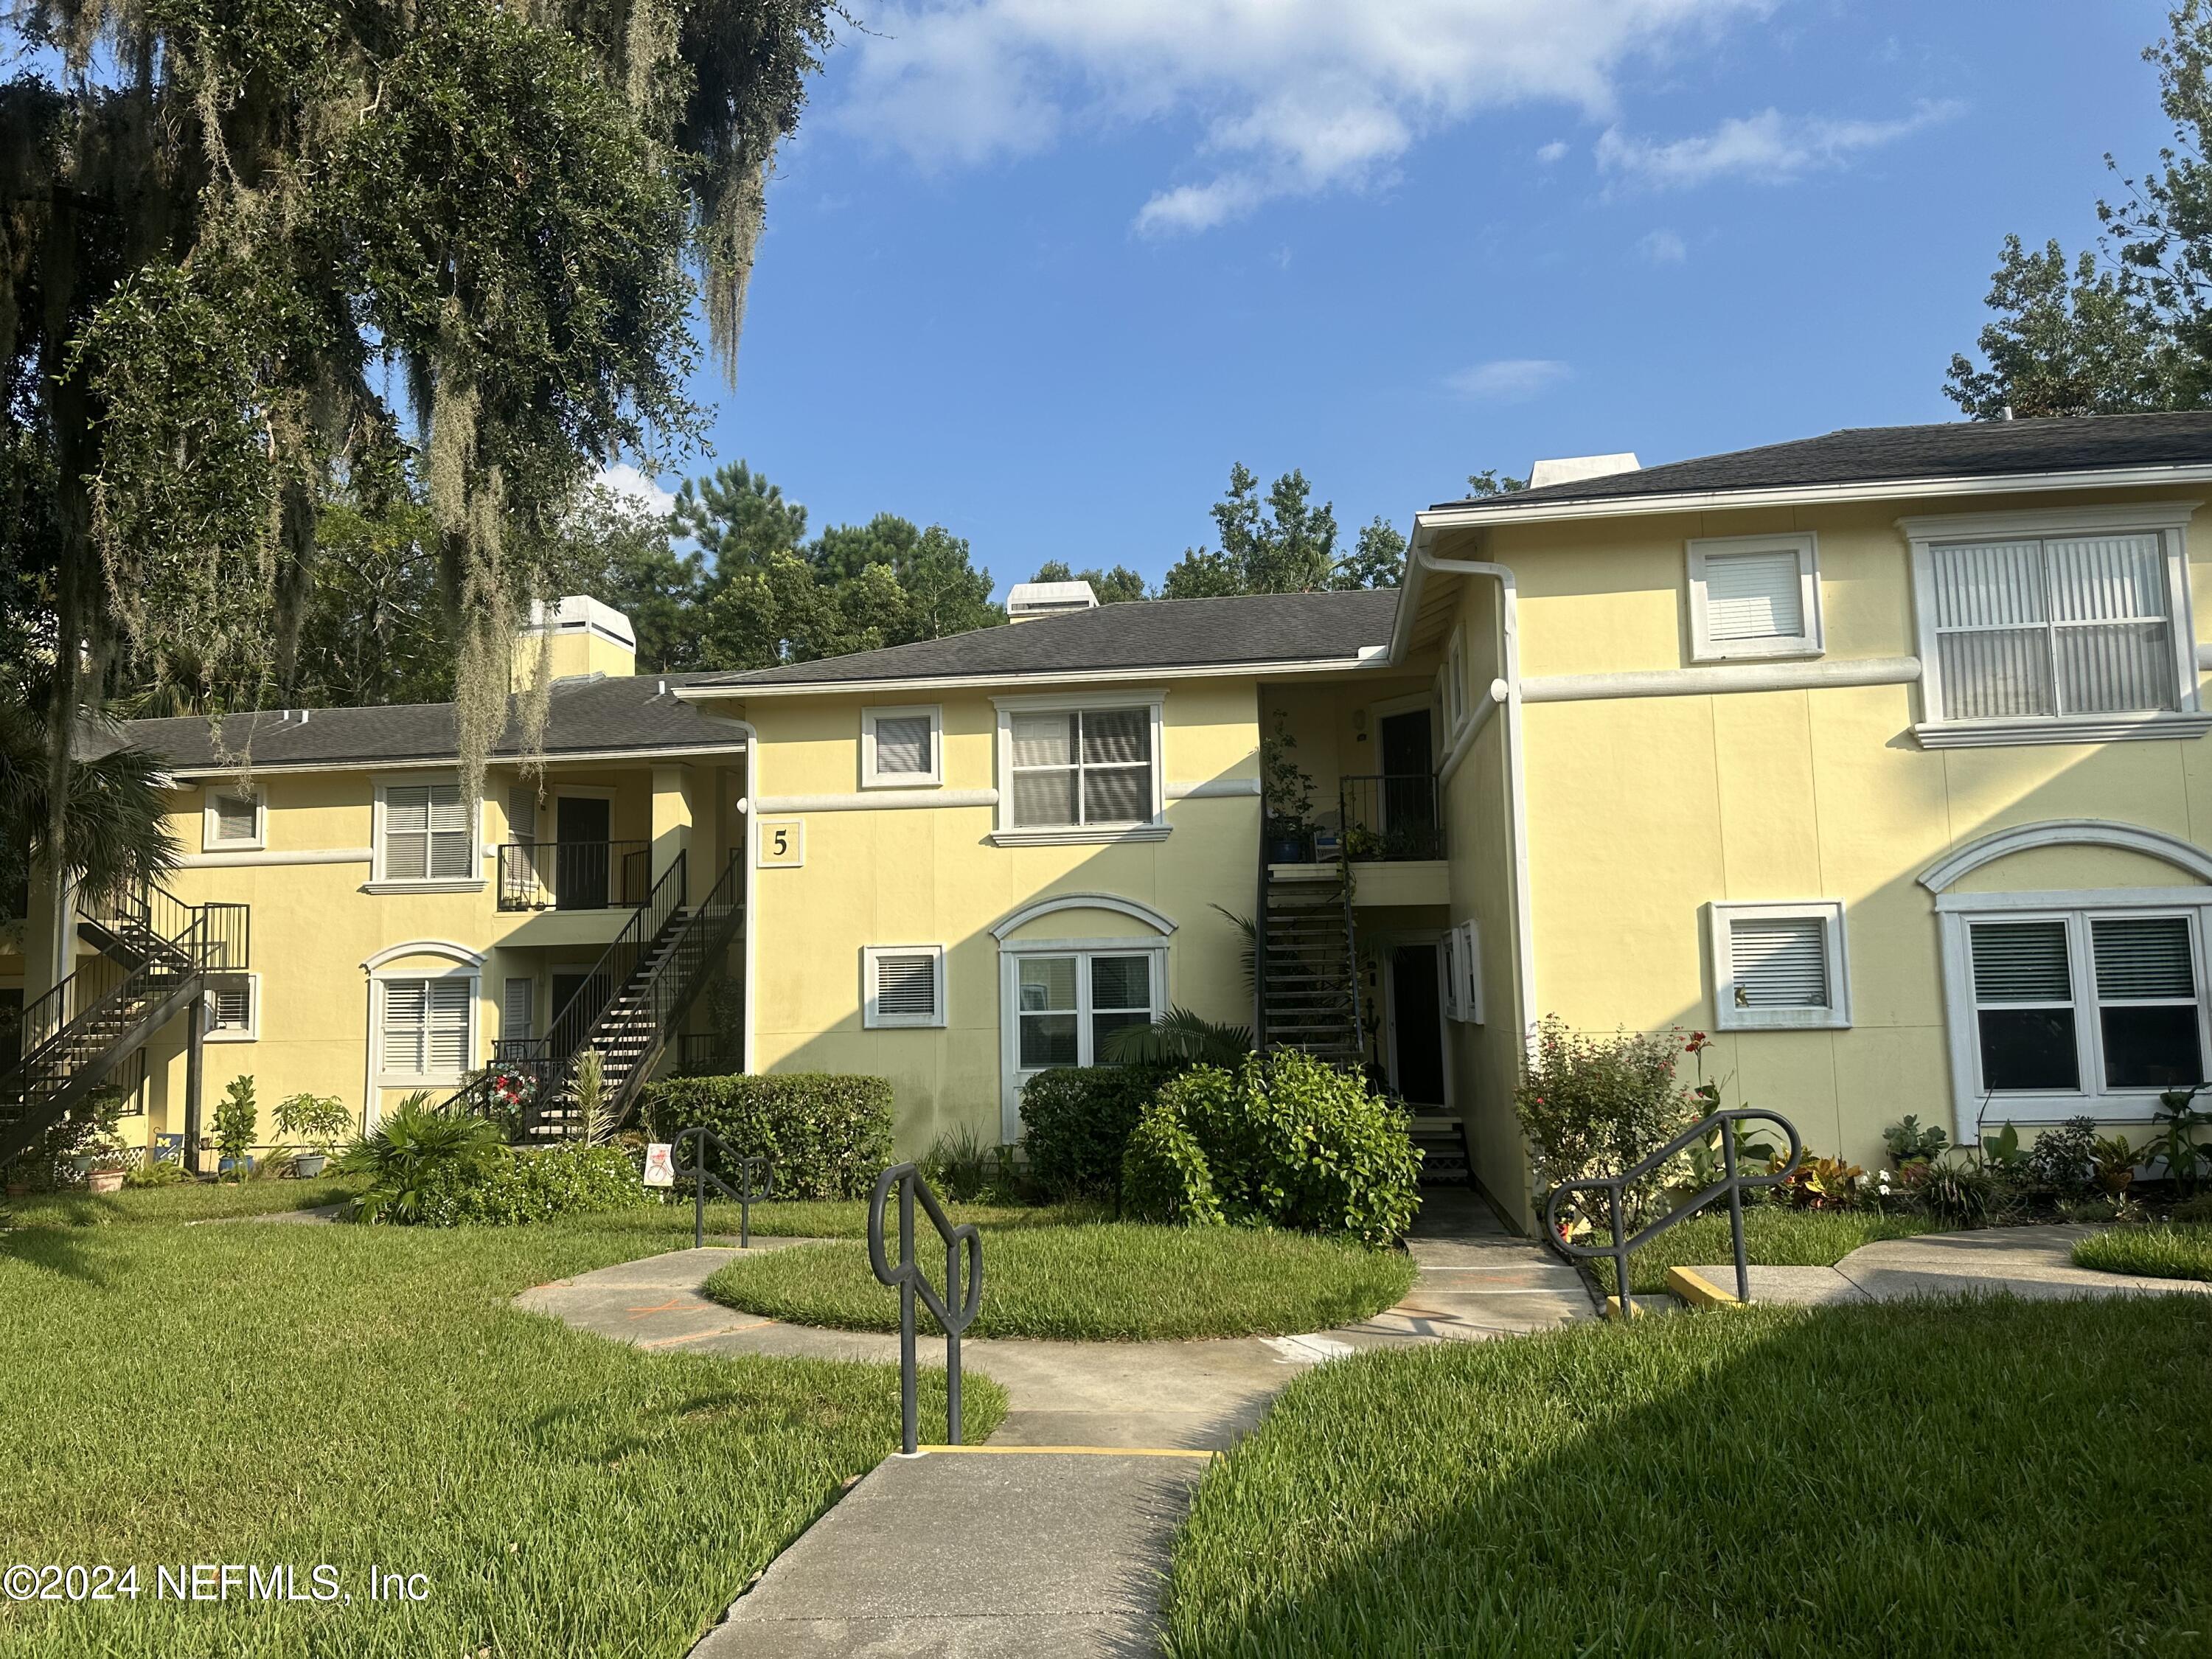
(1877,755)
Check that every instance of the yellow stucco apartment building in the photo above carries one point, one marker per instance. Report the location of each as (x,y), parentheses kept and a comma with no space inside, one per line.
(1878,756)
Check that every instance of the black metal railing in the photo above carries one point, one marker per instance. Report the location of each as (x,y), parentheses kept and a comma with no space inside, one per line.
(1391,817)
(1732,1185)
(743,1194)
(708,1053)
(574,875)
(954,1311)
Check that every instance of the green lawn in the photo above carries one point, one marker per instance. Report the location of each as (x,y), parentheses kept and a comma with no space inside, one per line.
(1989,1479)
(1771,1238)
(1115,1282)
(839,1218)
(185,1201)
(357,1396)
(2175,1251)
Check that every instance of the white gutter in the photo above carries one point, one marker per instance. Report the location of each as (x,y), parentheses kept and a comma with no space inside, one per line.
(1503,693)
(1709,501)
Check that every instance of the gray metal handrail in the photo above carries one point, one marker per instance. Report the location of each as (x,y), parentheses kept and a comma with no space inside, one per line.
(911,1282)
(742,1194)
(1732,1185)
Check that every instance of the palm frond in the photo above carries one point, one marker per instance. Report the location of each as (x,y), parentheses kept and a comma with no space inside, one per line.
(1179,1037)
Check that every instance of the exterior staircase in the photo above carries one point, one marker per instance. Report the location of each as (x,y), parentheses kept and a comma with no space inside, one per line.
(1308,972)
(159,956)
(1442,1142)
(628,1010)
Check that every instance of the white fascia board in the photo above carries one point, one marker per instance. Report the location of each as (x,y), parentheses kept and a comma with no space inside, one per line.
(447,763)
(1370,657)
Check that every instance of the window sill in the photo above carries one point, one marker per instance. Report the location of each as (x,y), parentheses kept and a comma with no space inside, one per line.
(257,844)
(2092,728)
(1809,1019)
(1785,651)
(456,884)
(424,1083)
(915,782)
(2129,1106)
(903,1024)
(230,1036)
(1079,836)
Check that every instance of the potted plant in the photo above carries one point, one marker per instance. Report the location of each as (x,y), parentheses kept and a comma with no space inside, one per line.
(237,1119)
(321,1121)
(108,1159)
(1286,798)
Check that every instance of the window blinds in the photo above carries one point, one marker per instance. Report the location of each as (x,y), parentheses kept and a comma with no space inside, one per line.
(2021,962)
(426,833)
(235,818)
(426,1026)
(1754,596)
(906,986)
(1779,962)
(902,746)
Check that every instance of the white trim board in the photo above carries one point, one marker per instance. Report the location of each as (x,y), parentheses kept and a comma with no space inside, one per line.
(1952,867)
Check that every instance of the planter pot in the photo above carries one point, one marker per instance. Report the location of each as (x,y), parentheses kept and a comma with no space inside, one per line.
(308,1166)
(105,1181)
(224,1166)
(81,1164)
(1288,849)
(19,1189)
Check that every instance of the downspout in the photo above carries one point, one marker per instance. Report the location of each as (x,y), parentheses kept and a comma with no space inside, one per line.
(1503,693)
(747,795)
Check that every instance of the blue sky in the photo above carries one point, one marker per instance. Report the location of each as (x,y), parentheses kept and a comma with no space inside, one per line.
(1040,270)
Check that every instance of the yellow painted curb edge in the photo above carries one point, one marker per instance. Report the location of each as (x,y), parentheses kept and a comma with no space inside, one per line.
(1613,1309)
(1698,1290)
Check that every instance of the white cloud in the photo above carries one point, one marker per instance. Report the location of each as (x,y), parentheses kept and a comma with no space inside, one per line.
(1663,247)
(1554,151)
(1509,380)
(1286,97)
(1768,147)
(624,480)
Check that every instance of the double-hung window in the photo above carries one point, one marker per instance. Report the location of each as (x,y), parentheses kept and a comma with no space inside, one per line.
(426,1031)
(1067,1004)
(2082,1004)
(1079,773)
(426,834)
(2049,633)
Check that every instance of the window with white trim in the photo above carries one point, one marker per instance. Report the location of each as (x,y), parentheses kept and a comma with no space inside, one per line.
(1754,597)
(425,834)
(901,985)
(1068,1004)
(518,1009)
(425,1028)
(2070,627)
(1468,935)
(1779,966)
(902,747)
(2079,1003)
(234,1012)
(1080,767)
(233,821)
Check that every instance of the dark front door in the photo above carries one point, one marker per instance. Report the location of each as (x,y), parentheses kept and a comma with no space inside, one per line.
(1417,1057)
(581,861)
(1409,798)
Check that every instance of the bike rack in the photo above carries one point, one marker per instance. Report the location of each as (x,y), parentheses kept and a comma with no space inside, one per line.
(911,1282)
(700,1175)
(1733,1184)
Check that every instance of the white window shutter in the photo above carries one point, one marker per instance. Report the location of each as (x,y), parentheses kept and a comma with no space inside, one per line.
(522,811)
(448,1041)
(232,1008)
(1470,966)
(451,854)
(407,832)
(518,1003)
(1778,962)
(405,1001)
(1754,596)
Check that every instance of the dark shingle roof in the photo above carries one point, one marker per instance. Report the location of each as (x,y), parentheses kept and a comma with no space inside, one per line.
(1163,634)
(1882,454)
(586,716)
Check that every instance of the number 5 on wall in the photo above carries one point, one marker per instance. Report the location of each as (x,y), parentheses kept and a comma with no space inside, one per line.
(782,843)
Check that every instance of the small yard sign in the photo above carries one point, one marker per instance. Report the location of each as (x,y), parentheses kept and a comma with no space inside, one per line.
(659,1164)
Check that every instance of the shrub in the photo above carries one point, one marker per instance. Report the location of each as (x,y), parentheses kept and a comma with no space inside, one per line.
(2063,1161)
(962,1166)
(823,1136)
(1076,1122)
(1962,1195)
(1595,1106)
(154,1172)
(237,1120)
(403,1157)
(1285,1140)
(513,1186)
(322,1120)
(1909,1143)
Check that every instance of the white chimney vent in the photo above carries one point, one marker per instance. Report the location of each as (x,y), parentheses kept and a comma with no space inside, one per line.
(1025,600)
(1580,469)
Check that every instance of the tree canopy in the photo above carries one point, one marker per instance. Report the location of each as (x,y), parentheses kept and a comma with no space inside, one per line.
(2131,330)
(263,264)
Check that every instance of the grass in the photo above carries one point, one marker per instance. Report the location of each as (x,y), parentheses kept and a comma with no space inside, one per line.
(1984,1478)
(185,1201)
(1112,1282)
(838,1217)
(2169,1251)
(1772,1237)
(356,1395)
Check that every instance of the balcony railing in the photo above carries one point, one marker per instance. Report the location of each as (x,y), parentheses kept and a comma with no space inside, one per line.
(574,875)
(1391,817)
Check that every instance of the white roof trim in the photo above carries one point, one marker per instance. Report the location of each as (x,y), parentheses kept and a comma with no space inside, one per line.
(1029,913)
(2067,832)
(1370,657)
(405,763)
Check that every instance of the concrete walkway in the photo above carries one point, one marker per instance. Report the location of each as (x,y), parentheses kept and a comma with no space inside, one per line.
(2023,1261)
(1064,1517)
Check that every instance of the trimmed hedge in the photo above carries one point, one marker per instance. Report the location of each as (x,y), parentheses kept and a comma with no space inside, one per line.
(1076,1122)
(1284,1141)
(823,1135)
(513,1186)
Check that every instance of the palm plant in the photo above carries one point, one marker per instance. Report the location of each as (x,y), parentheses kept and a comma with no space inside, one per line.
(1179,1037)
(407,1146)
(113,821)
